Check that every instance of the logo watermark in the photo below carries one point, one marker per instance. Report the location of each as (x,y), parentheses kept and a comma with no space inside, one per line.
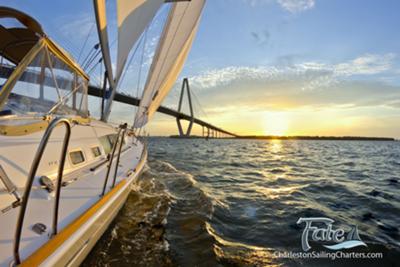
(327,255)
(321,230)
(328,234)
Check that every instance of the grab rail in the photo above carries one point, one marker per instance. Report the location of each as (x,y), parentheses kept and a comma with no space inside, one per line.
(111,158)
(32,174)
(119,154)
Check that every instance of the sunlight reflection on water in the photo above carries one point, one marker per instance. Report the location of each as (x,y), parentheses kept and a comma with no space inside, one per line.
(228,202)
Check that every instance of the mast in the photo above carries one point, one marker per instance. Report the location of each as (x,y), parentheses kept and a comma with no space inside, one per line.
(101,22)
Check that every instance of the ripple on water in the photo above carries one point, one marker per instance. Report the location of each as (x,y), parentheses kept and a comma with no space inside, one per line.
(136,237)
(235,202)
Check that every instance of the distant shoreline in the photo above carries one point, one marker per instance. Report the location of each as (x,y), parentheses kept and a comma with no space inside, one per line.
(344,138)
(273,137)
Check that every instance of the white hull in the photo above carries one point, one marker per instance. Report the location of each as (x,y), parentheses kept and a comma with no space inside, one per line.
(93,233)
(80,244)
(84,215)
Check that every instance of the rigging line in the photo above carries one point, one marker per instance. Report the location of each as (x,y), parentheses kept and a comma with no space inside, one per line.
(131,58)
(90,54)
(140,130)
(95,65)
(91,60)
(86,40)
(70,47)
(97,80)
(140,68)
(141,62)
(95,55)
(163,23)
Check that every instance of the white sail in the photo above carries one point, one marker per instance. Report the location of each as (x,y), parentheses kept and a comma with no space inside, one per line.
(133,18)
(172,51)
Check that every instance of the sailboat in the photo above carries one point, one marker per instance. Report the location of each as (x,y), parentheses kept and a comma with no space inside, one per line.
(64,175)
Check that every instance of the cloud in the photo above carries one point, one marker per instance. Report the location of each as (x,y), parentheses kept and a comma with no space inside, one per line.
(310,75)
(367,64)
(296,6)
(310,85)
(292,6)
(76,26)
(285,95)
(257,2)
(228,75)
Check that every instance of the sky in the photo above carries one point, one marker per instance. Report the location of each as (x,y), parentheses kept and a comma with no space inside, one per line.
(263,67)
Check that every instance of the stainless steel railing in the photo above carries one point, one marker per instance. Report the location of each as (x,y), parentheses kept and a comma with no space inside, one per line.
(122,129)
(32,173)
(125,128)
(35,165)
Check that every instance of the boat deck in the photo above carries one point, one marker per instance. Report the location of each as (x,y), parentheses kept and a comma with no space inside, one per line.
(76,198)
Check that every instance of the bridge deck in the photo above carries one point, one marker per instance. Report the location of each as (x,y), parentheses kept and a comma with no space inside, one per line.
(95,91)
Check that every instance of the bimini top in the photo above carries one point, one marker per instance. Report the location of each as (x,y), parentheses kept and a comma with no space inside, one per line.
(37,77)
(16,42)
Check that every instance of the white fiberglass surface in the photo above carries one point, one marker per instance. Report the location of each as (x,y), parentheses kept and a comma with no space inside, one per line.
(76,198)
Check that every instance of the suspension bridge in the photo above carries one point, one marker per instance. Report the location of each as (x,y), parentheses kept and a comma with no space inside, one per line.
(208,130)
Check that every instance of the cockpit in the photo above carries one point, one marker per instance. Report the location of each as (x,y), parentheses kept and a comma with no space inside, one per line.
(37,77)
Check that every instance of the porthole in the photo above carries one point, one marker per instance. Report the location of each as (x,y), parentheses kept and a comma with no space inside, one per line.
(96,151)
(77,157)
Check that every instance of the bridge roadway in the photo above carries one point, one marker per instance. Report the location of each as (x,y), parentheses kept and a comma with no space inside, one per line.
(95,91)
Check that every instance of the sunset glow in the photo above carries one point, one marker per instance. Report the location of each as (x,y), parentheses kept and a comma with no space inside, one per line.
(285,73)
(276,124)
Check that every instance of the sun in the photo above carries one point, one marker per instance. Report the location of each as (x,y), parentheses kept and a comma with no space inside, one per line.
(276,123)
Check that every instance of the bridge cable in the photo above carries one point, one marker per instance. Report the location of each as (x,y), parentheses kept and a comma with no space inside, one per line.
(200,106)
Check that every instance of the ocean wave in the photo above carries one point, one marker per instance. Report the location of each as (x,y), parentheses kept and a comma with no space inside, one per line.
(226,202)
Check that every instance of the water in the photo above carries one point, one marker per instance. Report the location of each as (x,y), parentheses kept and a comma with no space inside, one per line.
(236,202)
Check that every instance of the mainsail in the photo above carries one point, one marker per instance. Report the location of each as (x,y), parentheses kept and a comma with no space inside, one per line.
(133,18)
(171,53)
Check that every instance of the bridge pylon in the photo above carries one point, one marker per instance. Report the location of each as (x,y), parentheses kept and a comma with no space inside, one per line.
(185,85)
